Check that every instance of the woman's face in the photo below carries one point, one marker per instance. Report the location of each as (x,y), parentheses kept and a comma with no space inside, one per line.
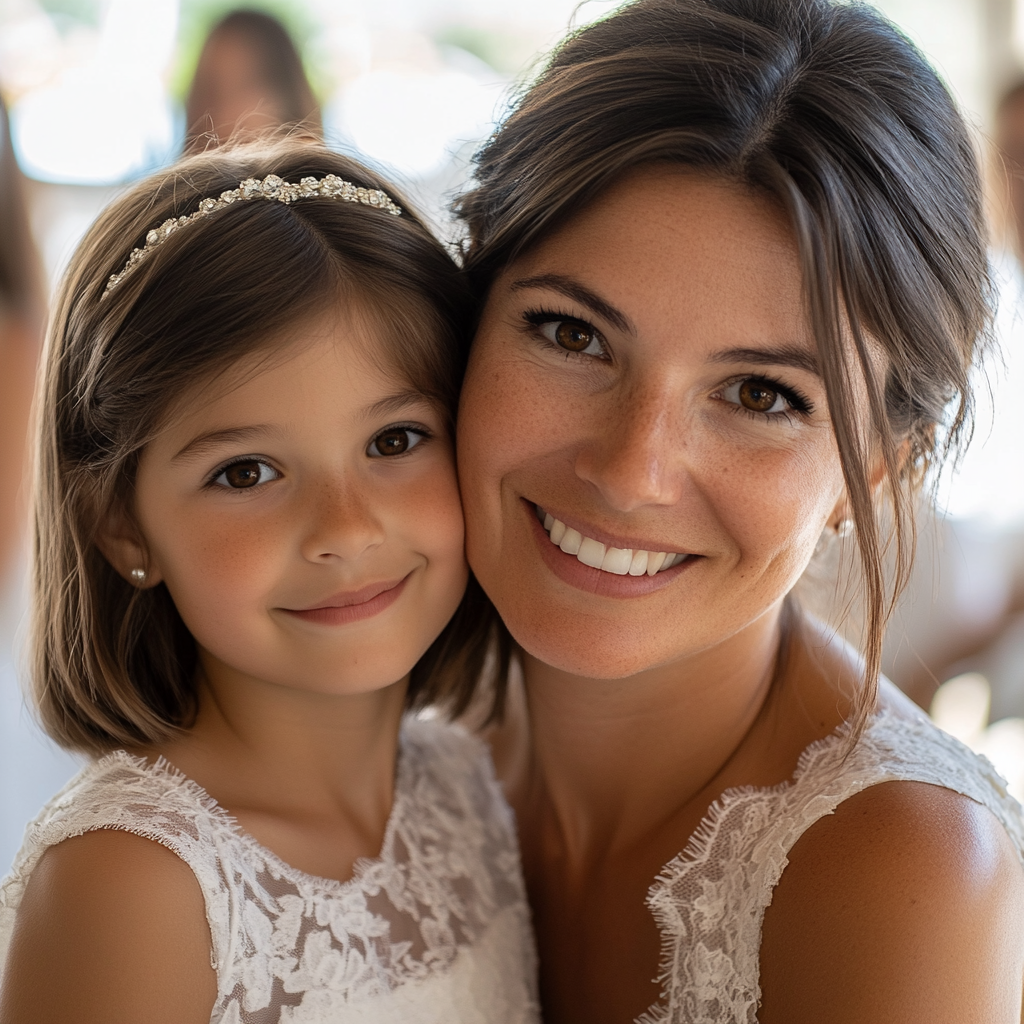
(645,384)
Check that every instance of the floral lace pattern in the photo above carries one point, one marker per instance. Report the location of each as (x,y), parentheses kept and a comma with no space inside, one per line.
(709,902)
(433,931)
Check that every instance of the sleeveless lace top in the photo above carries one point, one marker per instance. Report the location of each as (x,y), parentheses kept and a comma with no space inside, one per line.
(709,902)
(433,931)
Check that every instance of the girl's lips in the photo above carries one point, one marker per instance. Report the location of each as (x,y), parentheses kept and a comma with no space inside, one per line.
(353,605)
(571,570)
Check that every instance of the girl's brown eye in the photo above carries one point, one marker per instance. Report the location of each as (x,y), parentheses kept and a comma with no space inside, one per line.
(392,442)
(573,335)
(756,396)
(243,474)
(395,441)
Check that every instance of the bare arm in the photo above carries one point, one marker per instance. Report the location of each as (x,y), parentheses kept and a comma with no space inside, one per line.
(904,907)
(112,930)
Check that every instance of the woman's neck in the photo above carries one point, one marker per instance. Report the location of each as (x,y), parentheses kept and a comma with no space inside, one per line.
(613,760)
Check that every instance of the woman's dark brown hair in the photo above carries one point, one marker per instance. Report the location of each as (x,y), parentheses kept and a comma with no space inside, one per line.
(282,77)
(827,110)
(114,664)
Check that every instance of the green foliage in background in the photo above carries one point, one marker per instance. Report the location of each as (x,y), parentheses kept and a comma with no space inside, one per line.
(508,53)
(66,13)
(197,17)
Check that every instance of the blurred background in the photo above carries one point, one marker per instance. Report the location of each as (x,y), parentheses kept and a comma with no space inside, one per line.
(100,92)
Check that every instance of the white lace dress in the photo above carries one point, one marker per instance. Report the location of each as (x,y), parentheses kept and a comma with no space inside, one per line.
(435,930)
(709,902)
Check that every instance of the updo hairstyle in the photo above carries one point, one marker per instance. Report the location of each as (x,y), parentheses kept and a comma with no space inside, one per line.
(825,109)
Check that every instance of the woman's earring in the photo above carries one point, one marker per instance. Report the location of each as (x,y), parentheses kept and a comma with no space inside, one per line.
(844,527)
(139,575)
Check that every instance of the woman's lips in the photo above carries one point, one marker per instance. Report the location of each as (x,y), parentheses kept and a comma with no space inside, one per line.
(577,574)
(352,605)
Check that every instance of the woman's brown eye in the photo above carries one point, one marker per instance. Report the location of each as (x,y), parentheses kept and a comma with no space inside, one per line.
(243,474)
(574,336)
(756,396)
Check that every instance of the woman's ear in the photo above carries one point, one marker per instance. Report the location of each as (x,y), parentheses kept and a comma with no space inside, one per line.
(841,520)
(120,544)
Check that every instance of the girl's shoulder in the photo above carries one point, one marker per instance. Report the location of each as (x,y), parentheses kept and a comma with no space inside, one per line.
(126,793)
(438,920)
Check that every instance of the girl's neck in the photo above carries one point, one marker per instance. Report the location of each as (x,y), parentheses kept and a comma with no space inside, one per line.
(613,760)
(300,770)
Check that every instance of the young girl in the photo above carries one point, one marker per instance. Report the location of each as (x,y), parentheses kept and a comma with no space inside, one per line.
(248,550)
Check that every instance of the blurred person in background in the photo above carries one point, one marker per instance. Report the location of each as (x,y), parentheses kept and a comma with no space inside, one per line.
(1009,140)
(249,78)
(30,765)
(20,329)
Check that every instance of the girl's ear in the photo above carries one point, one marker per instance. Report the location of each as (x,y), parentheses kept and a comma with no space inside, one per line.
(120,544)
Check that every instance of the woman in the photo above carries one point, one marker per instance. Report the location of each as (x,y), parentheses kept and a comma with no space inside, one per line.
(733,267)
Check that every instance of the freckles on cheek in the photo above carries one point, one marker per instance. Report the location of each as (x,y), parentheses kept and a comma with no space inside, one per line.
(220,560)
(775,507)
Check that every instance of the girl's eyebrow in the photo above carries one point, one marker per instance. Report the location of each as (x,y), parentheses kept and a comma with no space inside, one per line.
(395,403)
(573,289)
(204,443)
(781,355)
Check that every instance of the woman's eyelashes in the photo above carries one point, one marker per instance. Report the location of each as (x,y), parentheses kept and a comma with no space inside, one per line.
(763,397)
(396,440)
(244,474)
(567,334)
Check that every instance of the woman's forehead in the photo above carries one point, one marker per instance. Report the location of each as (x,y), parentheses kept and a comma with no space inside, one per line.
(671,249)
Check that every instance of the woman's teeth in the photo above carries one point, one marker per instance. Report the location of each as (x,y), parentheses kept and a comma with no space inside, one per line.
(621,561)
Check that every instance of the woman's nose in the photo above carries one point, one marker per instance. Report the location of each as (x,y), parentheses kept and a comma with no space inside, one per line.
(341,523)
(636,456)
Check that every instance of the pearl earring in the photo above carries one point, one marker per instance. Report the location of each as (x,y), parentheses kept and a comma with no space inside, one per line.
(139,575)
(844,527)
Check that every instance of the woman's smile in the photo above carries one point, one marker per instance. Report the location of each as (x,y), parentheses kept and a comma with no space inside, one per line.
(609,566)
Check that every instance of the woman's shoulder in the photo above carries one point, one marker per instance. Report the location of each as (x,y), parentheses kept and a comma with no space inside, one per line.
(901,744)
(903,882)
(904,861)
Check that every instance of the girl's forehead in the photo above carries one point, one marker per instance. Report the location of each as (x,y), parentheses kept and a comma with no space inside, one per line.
(334,352)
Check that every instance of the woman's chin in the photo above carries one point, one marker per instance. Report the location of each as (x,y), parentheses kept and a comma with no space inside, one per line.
(598,652)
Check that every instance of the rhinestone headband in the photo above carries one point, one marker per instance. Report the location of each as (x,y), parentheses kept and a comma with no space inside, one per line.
(271,187)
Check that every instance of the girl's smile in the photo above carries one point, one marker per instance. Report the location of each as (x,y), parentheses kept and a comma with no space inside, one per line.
(353,605)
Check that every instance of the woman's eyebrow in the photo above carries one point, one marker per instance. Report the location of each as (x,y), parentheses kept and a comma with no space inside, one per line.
(783,355)
(582,294)
(203,443)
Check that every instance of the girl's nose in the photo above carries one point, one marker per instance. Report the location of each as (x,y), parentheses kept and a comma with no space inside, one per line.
(341,523)
(636,457)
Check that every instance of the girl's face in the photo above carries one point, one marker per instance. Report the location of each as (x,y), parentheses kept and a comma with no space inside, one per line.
(644,395)
(304,514)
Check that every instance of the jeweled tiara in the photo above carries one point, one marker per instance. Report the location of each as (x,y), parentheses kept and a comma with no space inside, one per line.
(271,187)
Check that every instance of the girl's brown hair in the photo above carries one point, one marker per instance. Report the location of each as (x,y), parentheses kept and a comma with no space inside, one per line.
(113,664)
(829,111)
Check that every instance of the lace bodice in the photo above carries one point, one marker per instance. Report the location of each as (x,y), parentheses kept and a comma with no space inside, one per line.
(709,902)
(433,931)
